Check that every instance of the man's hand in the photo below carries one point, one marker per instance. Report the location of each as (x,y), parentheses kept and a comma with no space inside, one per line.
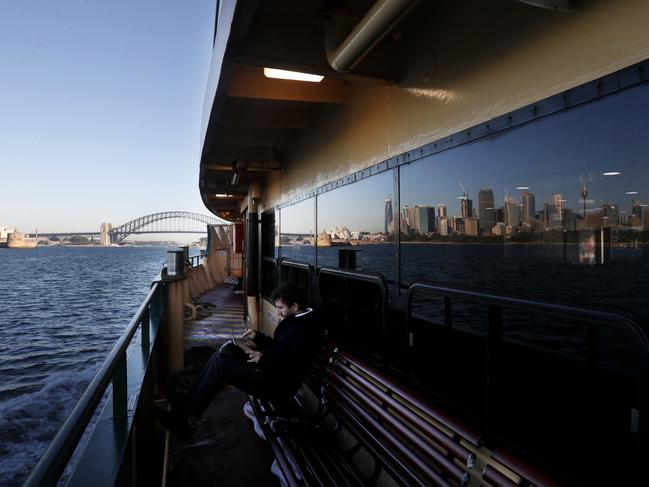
(254,356)
(250,333)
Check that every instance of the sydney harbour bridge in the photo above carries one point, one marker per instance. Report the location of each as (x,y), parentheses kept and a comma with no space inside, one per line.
(163,222)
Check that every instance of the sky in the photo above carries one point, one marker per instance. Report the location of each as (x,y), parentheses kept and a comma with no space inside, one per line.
(100,110)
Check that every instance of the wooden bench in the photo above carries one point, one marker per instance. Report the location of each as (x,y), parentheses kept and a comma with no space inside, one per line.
(233,281)
(369,430)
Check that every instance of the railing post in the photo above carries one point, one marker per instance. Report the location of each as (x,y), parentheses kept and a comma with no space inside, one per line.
(448,312)
(175,278)
(120,393)
(146,328)
(494,333)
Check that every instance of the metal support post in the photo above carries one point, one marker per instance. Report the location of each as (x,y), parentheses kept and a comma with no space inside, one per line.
(175,317)
(120,381)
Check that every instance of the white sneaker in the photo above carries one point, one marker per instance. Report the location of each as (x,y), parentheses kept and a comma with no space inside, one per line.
(250,414)
(277,472)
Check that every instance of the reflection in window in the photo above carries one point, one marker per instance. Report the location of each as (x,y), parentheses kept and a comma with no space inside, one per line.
(297,239)
(359,218)
(555,210)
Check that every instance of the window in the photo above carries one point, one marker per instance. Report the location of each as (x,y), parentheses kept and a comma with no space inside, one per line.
(297,237)
(359,218)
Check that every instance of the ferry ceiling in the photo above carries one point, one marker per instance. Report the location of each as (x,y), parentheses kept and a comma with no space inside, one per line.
(254,124)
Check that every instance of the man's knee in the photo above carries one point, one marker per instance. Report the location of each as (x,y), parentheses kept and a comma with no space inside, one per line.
(215,361)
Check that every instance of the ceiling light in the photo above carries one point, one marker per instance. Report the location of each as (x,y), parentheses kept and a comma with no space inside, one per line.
(631,192)
(224,195)
(292,75)
(522,187)
(611,173)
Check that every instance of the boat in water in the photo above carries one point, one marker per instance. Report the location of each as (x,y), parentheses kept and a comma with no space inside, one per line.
(494,155)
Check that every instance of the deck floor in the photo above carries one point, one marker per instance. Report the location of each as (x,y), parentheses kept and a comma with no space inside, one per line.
(225,450)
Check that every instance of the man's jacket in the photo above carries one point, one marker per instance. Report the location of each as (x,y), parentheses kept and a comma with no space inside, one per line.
(288,356)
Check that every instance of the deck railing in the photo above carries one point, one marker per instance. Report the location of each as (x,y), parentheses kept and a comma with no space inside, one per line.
(114,370)
(636,332)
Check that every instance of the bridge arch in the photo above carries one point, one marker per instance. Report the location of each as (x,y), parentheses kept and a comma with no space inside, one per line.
(118,234)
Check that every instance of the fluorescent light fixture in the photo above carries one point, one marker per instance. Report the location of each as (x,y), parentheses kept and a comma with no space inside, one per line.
(611,173)
(631,192)
(522,187)
(223,195)
(292,75)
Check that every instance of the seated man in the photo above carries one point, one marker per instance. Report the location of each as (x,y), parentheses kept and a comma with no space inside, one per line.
(274,371)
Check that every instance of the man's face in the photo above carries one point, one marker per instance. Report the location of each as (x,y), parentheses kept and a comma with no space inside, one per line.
(283,310)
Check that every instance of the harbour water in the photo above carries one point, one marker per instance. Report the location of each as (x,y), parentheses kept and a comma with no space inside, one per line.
(61,311)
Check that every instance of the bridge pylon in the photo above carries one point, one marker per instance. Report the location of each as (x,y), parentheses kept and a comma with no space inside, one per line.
(105,238)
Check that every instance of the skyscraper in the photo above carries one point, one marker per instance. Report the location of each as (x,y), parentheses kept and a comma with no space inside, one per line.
(441,211)
(487,212)
(389,216)
(424,219)
(558,210)
(512,213)
(466,206)
(529,206)
(610,215)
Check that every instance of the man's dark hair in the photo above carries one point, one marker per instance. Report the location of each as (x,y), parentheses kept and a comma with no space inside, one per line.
(290,294)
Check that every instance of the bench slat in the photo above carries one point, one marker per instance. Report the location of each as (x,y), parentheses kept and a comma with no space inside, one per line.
(403,474)
(418,424)
(525,471)
(452,424)
(433,455)
(496,479)
(396,456)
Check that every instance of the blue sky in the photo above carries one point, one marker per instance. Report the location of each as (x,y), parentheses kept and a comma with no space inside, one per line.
(100,110)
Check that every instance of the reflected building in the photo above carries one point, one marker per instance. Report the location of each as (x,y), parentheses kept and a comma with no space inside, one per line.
(487,212)
(569,220)
(610,215)
(466,206)
(552,213)
(389,216)
(443,227)
(500,215)
(645,218)
(424,219)
(529,206)
(471,226)
(593,219)
(406,220)
(512,213)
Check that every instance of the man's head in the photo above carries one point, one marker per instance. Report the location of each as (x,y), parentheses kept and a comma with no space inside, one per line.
(289,299)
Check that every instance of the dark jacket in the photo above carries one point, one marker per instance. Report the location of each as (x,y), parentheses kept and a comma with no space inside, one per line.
(288,356)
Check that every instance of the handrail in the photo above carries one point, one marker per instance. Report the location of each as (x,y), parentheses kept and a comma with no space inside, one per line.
(637,332)
(293,263)
(590,315)
(366,277)
(52,464)
(305,266)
